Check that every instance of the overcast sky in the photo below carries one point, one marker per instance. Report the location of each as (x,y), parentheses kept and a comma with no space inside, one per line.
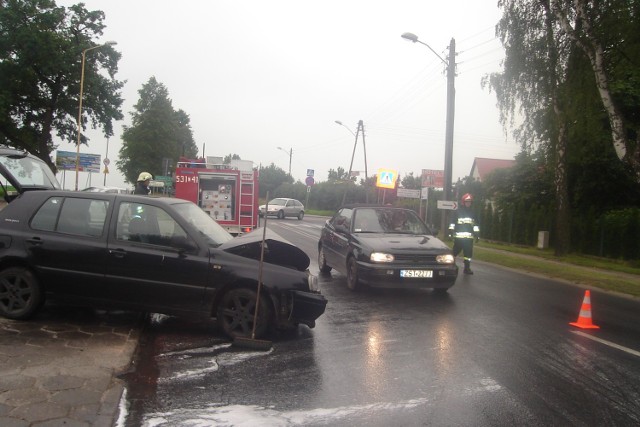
(255,75)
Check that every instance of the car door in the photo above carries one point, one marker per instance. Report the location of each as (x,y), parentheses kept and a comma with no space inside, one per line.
(336,242)
(66,242)
(290,208)
(153,262)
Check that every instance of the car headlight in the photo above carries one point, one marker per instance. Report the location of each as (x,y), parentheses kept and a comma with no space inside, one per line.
(314,286)
(445,259)
(381,257)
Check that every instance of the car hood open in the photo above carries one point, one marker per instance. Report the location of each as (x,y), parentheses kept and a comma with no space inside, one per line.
(22,172)
(277,251)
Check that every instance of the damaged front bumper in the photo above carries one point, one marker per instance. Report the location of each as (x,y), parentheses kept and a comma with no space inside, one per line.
(306,307)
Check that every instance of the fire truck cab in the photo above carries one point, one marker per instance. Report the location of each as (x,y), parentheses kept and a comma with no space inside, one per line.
(227,192)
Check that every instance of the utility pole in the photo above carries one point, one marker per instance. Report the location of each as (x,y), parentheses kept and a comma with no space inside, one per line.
(366,177)
(448,149)
(451,108)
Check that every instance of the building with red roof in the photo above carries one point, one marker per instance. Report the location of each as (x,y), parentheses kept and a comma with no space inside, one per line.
(482,167)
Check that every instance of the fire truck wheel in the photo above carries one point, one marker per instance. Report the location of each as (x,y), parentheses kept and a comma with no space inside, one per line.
(236,312)
(280,214)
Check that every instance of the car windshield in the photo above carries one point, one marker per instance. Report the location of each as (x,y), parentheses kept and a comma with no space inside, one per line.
(382,220)
(279,202)
(29,172)
(206,226)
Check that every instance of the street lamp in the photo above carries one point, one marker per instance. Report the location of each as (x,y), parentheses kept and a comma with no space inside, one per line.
(290,153)
(84,55)
(364,146)
(360,129)
(451,95)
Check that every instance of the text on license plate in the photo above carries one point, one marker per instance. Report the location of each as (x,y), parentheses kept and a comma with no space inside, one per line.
(416,273)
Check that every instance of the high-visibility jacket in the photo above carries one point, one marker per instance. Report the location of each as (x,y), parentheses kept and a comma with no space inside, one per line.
(463,224)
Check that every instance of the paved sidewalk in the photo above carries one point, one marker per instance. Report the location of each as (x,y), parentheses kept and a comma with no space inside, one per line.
(60,368)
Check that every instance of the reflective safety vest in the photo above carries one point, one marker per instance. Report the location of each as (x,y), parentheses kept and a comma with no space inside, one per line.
(464,225)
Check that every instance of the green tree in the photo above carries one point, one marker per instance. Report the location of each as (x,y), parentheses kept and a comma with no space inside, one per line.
(157,132)
(337,175)
(411,182)
(229,157)
(185,145)
(535,70)
(607,33)
(272,177)
(41,49)
(555,51)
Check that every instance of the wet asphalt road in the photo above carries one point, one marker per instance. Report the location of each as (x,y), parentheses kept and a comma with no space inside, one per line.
(496,351)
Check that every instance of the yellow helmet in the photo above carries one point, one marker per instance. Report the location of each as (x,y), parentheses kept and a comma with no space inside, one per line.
(144,176)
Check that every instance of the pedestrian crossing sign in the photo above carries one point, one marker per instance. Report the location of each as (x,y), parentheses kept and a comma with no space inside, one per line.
(387,178)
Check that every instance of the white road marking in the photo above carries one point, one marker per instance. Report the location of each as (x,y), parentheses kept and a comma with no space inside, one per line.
(609,343)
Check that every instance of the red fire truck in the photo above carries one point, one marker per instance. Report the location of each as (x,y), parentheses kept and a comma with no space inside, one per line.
(227,192)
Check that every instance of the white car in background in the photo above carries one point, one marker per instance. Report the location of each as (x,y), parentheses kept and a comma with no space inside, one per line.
(282,207)
(107,190)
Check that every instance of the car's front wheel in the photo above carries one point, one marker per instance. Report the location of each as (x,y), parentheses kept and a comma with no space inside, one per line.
(20,293)
(280,214)
(322,261)
(237,310)
(352,274)
(301,215)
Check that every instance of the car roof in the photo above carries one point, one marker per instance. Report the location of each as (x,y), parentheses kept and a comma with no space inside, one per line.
(106,189)
(106,196)
(369,205)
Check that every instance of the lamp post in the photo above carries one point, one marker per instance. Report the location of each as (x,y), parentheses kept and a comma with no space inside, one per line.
(360,129)
(290,153)
(451,95)
(84,55)
(354,145)
(364,146)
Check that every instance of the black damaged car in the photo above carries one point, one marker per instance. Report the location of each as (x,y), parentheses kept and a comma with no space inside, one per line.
(385,247)
(161,255)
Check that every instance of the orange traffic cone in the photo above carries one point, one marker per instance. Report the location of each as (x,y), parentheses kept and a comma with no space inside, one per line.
(584,319)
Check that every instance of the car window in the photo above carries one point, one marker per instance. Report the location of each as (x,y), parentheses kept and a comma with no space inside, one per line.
(342,220)
(46,217)
(143,223)
(83,217)
(366,221)
(401,221)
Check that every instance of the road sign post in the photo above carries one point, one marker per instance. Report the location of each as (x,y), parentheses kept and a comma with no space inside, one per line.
(447,205)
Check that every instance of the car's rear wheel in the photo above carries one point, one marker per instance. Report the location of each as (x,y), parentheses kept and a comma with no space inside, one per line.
(236,313)
(301,215)
(322,261)
(280,214)
(20,293)
(352,274)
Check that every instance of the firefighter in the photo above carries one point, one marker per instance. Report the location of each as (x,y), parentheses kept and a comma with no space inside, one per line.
(465,229)
(142,186)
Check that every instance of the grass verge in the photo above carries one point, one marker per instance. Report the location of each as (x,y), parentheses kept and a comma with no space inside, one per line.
(610,275)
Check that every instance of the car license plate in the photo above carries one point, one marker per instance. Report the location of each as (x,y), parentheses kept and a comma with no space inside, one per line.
(416,273)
